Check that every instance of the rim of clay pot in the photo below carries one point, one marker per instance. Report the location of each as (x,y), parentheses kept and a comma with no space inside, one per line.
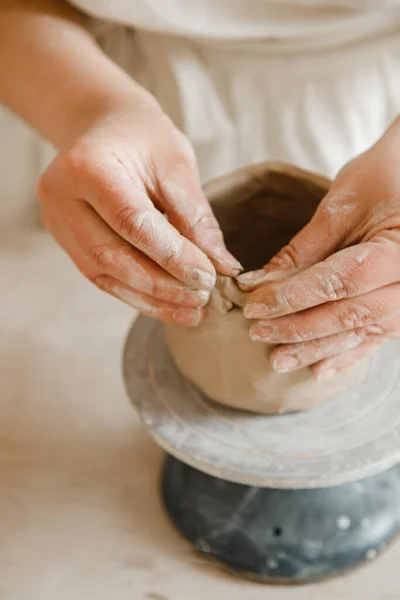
(261,207)
(220,188)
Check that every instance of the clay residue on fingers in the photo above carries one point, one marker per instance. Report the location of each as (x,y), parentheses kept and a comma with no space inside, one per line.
(159,240)
(341,204)
(362,255)
(156,237)
(198,224)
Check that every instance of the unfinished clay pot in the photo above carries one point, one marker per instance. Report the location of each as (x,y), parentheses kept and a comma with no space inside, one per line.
(259,209)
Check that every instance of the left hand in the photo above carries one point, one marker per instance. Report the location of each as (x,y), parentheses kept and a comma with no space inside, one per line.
(332,295)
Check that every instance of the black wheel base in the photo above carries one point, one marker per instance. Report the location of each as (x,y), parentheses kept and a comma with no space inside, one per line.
(283,536)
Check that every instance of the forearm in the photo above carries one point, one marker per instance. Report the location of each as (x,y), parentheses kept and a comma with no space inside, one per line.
(52,73)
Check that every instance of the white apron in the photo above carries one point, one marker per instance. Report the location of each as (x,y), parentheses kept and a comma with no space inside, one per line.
(310,82)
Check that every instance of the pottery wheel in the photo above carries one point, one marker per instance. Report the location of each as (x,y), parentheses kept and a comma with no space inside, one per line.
(353,436)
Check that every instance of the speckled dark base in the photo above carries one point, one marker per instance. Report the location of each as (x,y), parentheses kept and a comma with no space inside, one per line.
(285,536)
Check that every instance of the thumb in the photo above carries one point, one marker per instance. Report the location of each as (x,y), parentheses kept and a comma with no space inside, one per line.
(314,243)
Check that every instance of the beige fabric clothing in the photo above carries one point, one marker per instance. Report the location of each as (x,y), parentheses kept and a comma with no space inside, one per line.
(312,82)
(248,19)
(246,101)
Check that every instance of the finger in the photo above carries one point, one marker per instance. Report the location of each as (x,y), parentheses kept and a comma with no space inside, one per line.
(151,307)
(123,203)
(296,356)
(189,211)
(346,274)
(97,250)
(307,248)
(327,369)
(330,319)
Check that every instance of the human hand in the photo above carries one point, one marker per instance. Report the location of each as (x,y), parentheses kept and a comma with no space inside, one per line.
(332,295)
(103,200)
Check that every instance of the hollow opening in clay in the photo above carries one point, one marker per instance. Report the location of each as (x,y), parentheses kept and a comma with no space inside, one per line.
(260,215)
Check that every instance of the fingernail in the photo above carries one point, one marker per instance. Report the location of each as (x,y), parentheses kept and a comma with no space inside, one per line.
(230,261)
(266,310)
(256,311)
(200,279)
(187,318)
(199,297)
(262,333)
(255,337)
(325,375)
(285,364)
(251,279)
(185,297)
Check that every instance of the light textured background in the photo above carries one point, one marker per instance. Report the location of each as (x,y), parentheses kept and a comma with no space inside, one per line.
(80,516)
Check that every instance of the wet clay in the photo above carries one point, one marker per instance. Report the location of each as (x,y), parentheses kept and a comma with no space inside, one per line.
(259,210)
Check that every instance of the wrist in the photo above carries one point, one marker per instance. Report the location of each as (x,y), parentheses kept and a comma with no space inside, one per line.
(52,72)
(99,104)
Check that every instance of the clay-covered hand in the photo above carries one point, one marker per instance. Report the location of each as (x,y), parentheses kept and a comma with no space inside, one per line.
(125,202)
(332,295)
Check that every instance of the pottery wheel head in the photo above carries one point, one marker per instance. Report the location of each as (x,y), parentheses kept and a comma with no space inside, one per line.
(355,435)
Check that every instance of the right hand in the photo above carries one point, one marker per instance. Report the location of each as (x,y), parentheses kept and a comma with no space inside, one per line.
(103,199)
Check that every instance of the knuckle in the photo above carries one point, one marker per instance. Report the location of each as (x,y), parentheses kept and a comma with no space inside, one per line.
(203,220)
(375,330)
(102,282)
(333,286)
(169,259)
(175,145)
(372,331)
(77,159)
(103,256)
(287,257)
(45,195)
(44,188)
(298,333)
(179,159)
(284,298)
(346,170)
(97,167)
(356,317)
(157,289)
(45,219)
(130,222)
(186,152)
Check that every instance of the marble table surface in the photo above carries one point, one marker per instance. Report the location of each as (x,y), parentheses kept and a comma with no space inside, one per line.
(80,516)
